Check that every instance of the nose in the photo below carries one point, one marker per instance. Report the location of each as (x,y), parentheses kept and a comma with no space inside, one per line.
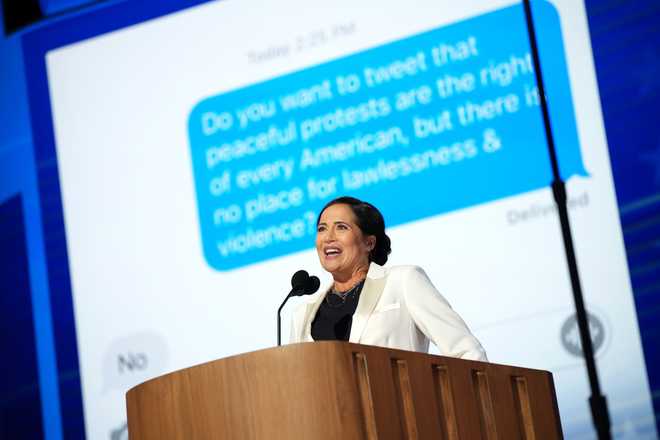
(330,235)
(326,237)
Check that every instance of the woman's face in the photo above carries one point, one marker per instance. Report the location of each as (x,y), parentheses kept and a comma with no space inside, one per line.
(342,247)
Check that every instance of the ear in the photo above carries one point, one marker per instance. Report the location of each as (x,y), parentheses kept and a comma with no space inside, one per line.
(371,242)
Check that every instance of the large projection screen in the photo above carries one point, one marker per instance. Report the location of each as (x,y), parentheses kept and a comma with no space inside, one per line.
(195,150)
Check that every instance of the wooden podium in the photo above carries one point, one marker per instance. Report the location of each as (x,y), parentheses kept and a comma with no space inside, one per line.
(338,391)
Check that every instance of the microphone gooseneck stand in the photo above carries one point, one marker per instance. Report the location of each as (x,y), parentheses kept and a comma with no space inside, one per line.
(301,284)
(279,320)
(597,401)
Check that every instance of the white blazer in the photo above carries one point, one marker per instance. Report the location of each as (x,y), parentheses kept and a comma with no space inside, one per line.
(398,308)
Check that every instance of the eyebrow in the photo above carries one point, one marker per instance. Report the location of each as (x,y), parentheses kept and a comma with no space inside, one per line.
(337,222)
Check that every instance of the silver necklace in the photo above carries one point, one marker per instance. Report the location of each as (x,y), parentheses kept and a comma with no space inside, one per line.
(342,295)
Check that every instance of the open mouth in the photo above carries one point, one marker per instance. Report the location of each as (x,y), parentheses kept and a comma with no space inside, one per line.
(331,252)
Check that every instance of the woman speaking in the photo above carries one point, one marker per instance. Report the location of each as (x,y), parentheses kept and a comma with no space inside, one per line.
(395,307)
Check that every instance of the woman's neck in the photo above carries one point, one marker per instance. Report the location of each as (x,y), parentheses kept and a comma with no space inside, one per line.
(345,282)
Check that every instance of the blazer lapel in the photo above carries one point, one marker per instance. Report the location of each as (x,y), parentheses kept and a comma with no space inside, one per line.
(371,292)
(310,313)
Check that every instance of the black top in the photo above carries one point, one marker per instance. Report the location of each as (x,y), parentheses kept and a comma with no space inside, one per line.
(334,317)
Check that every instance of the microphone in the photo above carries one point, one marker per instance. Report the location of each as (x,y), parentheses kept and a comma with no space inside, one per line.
(301,284)
(312,285)
(298,282)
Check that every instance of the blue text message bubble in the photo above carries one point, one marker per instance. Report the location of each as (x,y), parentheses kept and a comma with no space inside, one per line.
(432,123)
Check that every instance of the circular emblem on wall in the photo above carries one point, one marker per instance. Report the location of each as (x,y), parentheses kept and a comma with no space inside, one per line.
(570,334)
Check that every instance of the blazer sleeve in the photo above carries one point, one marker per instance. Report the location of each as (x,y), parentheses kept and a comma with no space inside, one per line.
(435,318)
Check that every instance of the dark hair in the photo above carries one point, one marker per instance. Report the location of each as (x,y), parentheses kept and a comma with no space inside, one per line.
(370,221)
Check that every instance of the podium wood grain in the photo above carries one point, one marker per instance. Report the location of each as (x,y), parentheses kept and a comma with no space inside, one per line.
(337,390)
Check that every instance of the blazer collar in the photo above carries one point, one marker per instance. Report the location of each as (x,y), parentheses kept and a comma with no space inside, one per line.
(310,313)
(371,292)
